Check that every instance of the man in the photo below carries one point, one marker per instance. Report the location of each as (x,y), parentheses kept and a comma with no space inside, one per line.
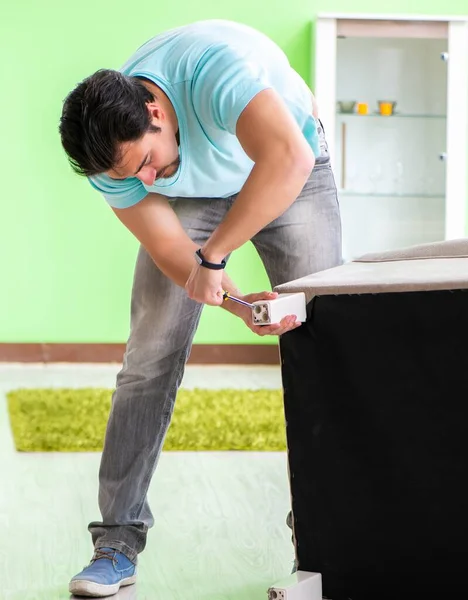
(206,138)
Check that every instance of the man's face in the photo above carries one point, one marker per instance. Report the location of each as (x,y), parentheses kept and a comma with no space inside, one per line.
(153,156)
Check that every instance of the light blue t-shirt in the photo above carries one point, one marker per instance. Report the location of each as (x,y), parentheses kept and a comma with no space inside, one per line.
(210,71)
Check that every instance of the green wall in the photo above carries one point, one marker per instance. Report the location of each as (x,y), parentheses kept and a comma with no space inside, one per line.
(66,262)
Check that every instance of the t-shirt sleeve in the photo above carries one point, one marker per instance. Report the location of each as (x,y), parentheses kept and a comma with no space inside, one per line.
(119,193)
(226,80)
(224,83)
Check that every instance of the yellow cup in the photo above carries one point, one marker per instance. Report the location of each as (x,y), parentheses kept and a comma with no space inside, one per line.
(362,108)
(386,108)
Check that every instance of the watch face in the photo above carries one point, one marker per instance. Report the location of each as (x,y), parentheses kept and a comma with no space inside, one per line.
(198,259)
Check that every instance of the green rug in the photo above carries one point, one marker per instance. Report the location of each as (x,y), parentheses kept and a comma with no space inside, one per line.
(74,420)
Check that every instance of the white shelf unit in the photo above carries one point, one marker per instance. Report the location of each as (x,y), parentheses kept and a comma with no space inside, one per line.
(402,179)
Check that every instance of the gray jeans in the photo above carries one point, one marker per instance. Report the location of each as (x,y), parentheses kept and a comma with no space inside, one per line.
(305,239)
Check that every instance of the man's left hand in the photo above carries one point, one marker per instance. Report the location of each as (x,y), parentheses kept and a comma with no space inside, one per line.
(204,285)
(288,323)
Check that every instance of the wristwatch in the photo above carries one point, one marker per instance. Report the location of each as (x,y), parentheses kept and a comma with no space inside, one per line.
(209,265)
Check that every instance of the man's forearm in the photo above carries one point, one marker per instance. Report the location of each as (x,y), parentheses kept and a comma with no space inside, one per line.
(177,263)
(266,194)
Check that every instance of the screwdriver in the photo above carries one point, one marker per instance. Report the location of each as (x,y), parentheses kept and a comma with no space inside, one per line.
(227,296)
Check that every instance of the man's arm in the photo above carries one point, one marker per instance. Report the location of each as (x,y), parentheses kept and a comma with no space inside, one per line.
(283,162)
(154,223)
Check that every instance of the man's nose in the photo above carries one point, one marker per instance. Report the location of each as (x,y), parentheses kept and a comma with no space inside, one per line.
(147,175)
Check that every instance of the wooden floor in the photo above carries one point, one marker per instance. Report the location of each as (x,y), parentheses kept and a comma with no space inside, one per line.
(220,530)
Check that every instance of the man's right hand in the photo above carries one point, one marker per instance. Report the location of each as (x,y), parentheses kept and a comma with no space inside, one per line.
(245,313)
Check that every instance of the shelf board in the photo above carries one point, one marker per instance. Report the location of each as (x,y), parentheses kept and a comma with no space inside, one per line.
(386,195)
(394,116)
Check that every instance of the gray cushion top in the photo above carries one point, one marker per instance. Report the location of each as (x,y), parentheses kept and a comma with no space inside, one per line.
(436,266)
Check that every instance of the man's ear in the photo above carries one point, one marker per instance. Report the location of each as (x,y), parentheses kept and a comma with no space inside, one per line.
(155,111)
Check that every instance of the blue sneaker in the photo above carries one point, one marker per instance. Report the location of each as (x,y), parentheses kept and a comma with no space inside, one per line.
(108,570)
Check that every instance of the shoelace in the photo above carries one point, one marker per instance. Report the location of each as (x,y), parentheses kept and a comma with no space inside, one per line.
(103,554)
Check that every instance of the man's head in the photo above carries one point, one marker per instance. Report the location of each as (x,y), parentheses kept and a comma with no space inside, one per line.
(121,126)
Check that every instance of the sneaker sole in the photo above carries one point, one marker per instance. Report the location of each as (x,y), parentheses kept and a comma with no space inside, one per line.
(81,587)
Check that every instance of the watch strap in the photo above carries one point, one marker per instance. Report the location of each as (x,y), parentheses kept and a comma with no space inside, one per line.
(209,265)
